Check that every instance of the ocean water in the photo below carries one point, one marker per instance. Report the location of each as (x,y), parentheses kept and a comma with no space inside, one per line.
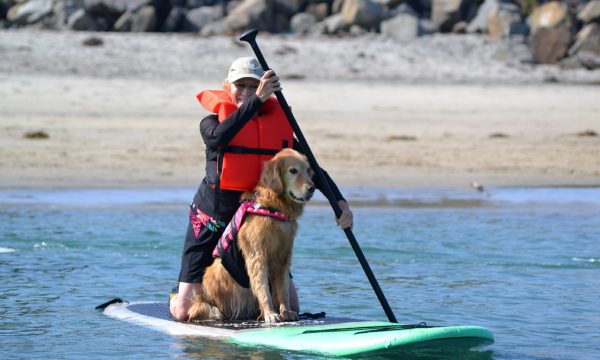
(522,262)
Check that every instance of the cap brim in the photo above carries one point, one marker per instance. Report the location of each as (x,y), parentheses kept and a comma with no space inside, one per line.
(237,77)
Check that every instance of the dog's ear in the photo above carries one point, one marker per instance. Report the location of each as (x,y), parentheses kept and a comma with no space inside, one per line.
(270,177)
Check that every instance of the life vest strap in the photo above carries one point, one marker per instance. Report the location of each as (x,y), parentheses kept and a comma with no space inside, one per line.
(248,150)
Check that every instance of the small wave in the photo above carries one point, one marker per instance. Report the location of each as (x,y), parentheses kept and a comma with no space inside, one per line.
(587,260)
(6,250)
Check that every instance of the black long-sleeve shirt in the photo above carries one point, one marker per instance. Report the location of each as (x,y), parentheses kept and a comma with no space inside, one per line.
(219,203)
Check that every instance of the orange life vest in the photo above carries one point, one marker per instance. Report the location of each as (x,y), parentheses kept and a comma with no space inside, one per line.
(240,162)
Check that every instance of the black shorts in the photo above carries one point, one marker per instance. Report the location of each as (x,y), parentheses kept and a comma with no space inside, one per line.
(197,253)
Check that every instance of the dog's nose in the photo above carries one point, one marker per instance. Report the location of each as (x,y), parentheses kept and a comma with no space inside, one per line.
(311,189)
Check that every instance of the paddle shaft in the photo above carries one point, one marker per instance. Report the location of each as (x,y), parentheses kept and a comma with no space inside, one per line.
(250,37)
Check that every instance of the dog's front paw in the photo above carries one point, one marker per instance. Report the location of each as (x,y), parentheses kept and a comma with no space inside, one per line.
(273,318)
(215,314)
(289,315)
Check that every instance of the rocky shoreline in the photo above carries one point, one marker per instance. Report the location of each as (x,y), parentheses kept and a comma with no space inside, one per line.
(565,32)
(438,58)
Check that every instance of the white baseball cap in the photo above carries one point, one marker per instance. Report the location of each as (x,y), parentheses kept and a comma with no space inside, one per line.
(245,67)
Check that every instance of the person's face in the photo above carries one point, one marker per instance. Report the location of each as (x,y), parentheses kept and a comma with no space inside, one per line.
(242,89)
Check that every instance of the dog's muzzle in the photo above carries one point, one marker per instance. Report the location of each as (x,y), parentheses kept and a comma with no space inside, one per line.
(310,191)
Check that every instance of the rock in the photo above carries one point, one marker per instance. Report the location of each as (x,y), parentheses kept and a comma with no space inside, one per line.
(301,23)
(144,20)
(29,12)
(445,13)
(588,39)
(64,9)
(479,24)
(364,13)
(36,135)
(4,6)
(289,7)
(80,20)
(114,8)
(331,25)
(392,138)
(426,27)
(506,21)
(422,7)
(197,18)
(460,27)
(123,23)
(587,133)
(174,20)
(390,4)
(318,10)
(498,135)
(403,26)
(549,15)
(403,8)
(548,45)
(590,61)
(590,12)
(247,15)
(93,41)
(213,28)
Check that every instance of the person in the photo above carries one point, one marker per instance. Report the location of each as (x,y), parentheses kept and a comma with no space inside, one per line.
(247,127)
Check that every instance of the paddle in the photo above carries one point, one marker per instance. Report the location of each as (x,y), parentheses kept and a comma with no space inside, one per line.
(250,37)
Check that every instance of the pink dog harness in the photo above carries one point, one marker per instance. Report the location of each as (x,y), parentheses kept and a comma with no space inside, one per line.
(231,257)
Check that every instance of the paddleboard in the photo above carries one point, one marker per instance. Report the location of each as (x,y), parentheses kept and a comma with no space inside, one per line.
(325,335)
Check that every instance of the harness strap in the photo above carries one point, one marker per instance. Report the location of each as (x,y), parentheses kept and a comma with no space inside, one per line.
(227,249)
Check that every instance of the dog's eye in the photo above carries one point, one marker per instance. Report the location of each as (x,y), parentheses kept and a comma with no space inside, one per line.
(294,170)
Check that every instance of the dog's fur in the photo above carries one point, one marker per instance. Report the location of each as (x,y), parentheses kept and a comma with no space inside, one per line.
(266,243)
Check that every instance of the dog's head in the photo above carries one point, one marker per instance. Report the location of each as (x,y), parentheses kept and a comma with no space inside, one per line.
(289,175)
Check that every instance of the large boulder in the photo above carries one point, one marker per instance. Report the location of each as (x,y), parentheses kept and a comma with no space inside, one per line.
(587,40)
(144,20)
(81,20)
(319,10)
(479,24)
(590,12)
(550,44)
(506,21)
(549,15)
(196,19)
(446,13)
(123,23)
(364,13)
(331,25)
(106,8)
(289,7)
(29,12)
(302,22)
(174,19)
(213,28)
(64,9)
(403,26)
(257,14)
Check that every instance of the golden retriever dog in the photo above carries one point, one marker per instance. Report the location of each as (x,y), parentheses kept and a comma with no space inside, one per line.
(266,244)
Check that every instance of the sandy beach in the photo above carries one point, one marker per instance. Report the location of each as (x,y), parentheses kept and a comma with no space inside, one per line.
(441,111)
